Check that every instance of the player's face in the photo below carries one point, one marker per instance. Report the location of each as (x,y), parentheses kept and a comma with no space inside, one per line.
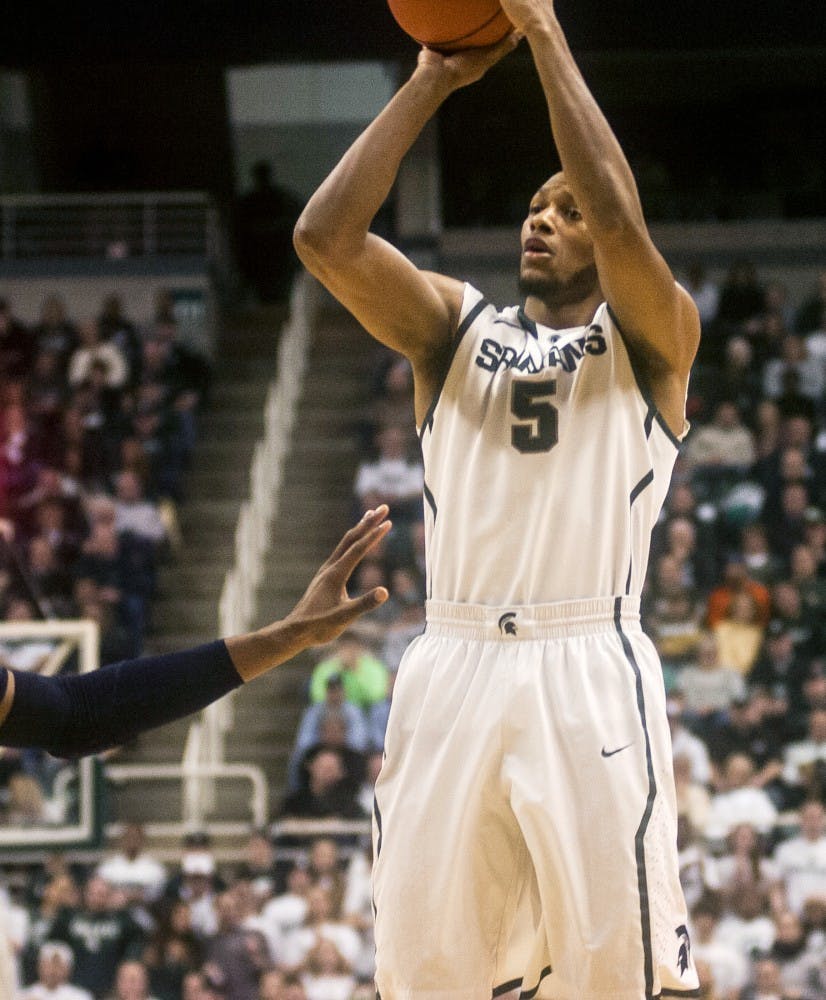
(557,263)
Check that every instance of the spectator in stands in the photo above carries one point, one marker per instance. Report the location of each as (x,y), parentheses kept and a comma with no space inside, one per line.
(47,396)
(811,315)
(728,966)
(693,800)
(392,478)
(804,761)
(745,863)
(51,581)
(131,982)
(198,883)
(54,333)
(235,951)
(288,910)
(134,513)
(322,922)
(801,860)
(810,586)
(132,869)
(363,675)
(685,744)
(737,380)
(20,455)
(739,801)
(265,217)
(723,444)
(749,728)
(741,295)
(329,790)
(787,608)
(17,345)
(708,686)
(739,633)
(799,965)
(100,936)
(54,967)
(780,669)
(259,865)
(746,925)
(704,290)
(409,620)
(115,328)
(736,580)
(91,349)
(310,728)
(325,869)
(173,950)
(327,975)
(808,372)
(673,623)
(762,565)
(332,735)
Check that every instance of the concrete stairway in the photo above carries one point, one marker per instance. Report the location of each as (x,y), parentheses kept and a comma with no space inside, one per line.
(316,508)
(185,611)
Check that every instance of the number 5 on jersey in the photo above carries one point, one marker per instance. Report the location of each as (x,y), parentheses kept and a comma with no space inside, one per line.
(539,427)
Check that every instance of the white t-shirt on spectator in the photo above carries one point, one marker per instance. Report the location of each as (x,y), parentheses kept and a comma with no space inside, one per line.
(390,477)
(143,873)
(801,754)
(299,943)
(65,992)
(279,917)
(328,987)
(802,864)
(142,518)
(685,744)
(740,805)
(746,937)
(729,968)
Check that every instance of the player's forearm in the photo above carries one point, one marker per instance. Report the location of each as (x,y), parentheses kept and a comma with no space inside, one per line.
(257,652)
(344,206)
(594,163)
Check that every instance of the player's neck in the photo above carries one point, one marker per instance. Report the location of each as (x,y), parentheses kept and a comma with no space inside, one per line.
(561,315)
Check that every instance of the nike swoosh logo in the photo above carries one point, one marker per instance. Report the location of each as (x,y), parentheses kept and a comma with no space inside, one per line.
(610,753)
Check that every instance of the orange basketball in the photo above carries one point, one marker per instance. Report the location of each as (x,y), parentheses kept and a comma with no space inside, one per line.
(448,25)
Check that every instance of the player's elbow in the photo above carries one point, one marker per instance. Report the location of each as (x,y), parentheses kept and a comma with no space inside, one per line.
(313,245)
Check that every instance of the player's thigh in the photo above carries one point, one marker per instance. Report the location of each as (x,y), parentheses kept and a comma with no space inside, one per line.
(593,799)
(447,849)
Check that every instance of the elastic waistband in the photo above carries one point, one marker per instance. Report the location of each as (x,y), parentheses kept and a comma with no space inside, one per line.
(533,621)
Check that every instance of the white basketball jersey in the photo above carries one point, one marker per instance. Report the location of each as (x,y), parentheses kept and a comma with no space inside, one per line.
(546,463)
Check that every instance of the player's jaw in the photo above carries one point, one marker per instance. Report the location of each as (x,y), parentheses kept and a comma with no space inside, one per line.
(556,286)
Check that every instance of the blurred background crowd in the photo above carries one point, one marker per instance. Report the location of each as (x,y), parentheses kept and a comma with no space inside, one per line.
(99,421)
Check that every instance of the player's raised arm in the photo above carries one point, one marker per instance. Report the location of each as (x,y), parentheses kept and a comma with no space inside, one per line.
(656,315)
(85,713)
(409,310)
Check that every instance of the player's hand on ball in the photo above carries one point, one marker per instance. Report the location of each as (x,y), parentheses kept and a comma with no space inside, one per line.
(466,66)
(326,609)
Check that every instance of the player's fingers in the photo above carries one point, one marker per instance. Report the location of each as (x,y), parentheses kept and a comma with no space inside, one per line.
(347,560)
(368,521)
(358,606)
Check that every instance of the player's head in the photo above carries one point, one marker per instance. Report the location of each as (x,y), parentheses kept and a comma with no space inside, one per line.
(557,264)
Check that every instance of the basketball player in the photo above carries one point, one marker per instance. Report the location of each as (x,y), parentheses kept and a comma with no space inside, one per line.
(525,817)
(85,713)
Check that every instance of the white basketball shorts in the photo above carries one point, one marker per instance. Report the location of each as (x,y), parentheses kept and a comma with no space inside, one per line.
(525,817)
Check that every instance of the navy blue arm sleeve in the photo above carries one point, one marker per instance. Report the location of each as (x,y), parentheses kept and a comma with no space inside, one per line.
(86,713)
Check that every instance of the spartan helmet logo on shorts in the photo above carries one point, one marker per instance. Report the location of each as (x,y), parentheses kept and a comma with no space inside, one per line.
(684,953)
(507,626)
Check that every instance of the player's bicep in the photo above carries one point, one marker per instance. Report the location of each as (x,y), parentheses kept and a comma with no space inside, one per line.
(655,314)
(407,309)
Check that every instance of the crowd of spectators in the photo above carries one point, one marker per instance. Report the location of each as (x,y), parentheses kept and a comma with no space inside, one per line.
(97,423)
(734,602)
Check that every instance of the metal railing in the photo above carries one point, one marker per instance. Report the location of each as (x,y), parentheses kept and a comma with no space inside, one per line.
(109,226)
